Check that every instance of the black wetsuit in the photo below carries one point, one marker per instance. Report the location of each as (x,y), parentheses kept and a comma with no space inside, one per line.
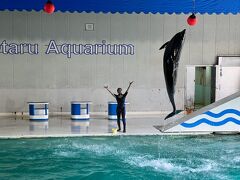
(121,111)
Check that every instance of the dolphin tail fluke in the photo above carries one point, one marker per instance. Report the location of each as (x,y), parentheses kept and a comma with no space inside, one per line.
(172,114)
(178,111)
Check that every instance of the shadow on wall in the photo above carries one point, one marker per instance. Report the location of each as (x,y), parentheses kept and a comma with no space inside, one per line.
(10,105)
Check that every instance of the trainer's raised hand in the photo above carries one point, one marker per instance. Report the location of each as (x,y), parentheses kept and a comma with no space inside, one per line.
(106,87)
(130,83)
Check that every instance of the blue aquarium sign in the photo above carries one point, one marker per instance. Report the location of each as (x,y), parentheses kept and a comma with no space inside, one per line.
(67,49)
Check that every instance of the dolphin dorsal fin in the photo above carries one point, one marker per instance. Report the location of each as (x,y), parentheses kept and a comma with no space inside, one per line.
(163,46)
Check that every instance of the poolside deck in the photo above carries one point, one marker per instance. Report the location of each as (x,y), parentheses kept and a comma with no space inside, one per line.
(62,126)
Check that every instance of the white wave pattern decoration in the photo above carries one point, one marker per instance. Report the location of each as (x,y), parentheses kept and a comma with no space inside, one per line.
(215,119)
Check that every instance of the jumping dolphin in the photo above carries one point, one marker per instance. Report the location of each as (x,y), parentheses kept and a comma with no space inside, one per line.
(170,65)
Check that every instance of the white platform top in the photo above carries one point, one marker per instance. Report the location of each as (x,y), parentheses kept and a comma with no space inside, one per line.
(81,102)
(113,102)
(38,103)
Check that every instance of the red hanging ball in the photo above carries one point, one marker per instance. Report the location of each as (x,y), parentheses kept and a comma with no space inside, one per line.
(49,7)
(192,20)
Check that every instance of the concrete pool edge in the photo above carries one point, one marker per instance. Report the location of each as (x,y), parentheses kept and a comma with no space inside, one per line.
(101,135)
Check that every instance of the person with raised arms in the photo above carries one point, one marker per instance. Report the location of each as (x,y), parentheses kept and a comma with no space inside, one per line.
(121,110)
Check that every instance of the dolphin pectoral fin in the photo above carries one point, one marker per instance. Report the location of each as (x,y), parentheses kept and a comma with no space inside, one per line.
(172,114)
(163,46)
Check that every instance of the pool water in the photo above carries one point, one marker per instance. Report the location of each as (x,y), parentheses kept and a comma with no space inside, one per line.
(121,157)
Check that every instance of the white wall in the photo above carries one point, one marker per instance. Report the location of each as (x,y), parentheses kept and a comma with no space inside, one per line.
(59,80)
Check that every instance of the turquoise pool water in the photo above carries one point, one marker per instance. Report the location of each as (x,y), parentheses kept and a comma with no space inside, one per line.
(124,157)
